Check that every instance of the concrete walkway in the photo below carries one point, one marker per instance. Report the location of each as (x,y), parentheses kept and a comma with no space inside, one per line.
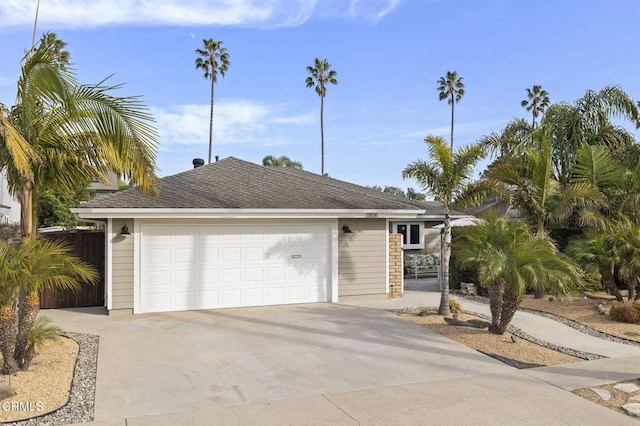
(333,364)
(424,292)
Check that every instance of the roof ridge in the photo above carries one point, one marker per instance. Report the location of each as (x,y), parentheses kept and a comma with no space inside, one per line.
(371,192)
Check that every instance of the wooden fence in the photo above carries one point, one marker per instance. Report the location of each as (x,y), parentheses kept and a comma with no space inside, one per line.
(88,246)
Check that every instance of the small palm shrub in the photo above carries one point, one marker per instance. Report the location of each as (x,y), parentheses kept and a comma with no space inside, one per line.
(41,332)
(628,312)
(455,306)
(424,311)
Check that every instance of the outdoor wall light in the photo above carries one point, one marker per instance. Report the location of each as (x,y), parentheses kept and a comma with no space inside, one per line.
(346,229)
(125,230)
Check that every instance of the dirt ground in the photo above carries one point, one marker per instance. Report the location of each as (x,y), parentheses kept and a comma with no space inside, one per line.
(45,386)
(582,308)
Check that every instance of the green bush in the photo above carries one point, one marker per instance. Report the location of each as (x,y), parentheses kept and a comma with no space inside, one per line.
(628,312)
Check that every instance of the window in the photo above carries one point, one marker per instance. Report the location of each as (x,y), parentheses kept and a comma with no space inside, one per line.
(412,234)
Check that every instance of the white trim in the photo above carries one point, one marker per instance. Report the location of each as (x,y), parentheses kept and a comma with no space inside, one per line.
(136,234)
(335,236)
(108,282)
(386,257)
(186,213)
(408,224)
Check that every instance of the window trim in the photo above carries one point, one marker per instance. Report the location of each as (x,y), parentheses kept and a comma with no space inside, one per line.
(408,246)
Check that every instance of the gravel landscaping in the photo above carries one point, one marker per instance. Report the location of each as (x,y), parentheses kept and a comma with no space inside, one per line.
(80,406)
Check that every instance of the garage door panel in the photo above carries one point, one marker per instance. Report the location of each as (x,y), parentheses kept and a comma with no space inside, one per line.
(210,266)
(207,255)
(183,299)
(231,297)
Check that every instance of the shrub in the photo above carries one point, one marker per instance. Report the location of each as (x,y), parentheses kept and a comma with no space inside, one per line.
(455,306)
(626,312)
(423,312)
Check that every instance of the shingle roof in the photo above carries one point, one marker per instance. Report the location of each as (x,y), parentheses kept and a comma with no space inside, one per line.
(236,184)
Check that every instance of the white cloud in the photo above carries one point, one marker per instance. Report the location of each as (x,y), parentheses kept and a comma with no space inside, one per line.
(254,13)
(234,122)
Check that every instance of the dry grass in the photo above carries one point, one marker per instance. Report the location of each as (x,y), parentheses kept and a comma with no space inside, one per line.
(45,386)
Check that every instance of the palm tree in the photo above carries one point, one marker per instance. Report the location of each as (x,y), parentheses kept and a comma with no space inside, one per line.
(537,101)
(596,250)
(509,258)
(49,265)
(282,161)
(447,176)
(61,134)
(588,122)
(321,76)
(213,59)
(34,265)
(451,88)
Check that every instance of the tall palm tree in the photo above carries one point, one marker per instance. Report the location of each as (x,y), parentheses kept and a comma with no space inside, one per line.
(537,101)
(282,161)
(213,60)
(61,134)
(510,258)
(321,76)
(451,88)
(447,176)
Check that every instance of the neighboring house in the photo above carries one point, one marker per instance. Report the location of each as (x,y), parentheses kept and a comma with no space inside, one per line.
(99,189)
(9,206)
(234,233)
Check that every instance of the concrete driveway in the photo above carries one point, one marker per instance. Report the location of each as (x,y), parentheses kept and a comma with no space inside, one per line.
(162,363)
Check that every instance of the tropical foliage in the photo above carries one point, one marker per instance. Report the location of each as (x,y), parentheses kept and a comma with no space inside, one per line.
(321,75)
(282,161)
(447,176)
(60,134)
(451,88)
(537,101)
(213,59)
(28,268)
(510,258)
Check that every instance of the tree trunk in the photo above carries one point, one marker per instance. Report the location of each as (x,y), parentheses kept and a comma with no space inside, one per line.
(610,283)
(496,292)
(444,265)
(26,209)
(538,292)
(322,134)
(28,313)
(211,121)
(452,109)
(8,334)
(632,285)
(510,303)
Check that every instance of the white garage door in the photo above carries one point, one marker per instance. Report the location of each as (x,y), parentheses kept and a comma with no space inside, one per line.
(218,266)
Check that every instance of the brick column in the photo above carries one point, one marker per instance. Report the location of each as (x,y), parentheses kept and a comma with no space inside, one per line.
(395,266)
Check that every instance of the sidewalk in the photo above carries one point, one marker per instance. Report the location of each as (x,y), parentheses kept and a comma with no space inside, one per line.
(424,292)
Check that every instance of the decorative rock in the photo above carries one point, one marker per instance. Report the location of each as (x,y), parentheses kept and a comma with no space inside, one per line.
(602,393)
(635,398)
(627,387)
(632,409)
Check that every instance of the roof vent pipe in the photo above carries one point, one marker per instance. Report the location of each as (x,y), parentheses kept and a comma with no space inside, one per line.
(197,162)
(217,158)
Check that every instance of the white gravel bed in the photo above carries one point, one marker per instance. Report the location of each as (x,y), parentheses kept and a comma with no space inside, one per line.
(80,407)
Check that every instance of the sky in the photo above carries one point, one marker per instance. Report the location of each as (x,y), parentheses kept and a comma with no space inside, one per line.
(388,55)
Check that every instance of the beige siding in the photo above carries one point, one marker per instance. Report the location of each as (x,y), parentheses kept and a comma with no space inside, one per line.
(122,266)
(362,257)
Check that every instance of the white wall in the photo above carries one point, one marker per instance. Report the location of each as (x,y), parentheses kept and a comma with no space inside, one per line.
(13,213)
